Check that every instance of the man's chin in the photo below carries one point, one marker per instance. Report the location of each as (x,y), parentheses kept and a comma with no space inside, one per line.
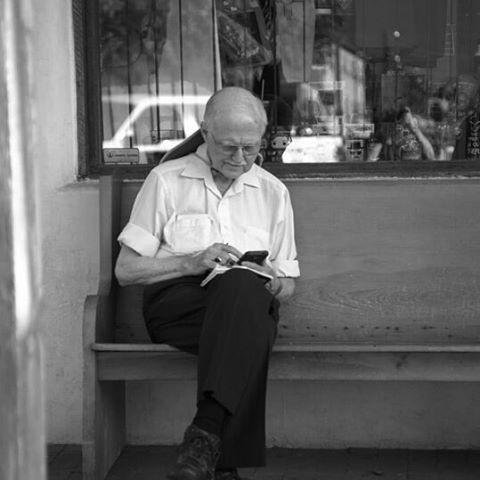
(233,172)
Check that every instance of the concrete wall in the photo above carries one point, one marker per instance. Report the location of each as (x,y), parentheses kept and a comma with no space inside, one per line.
(300,414)
(68,213)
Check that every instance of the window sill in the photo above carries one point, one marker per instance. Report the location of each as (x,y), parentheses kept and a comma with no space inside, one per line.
(426,169)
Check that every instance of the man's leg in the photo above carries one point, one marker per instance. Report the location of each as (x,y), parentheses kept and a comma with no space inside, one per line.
(174,312)
(233,322)
(235,344)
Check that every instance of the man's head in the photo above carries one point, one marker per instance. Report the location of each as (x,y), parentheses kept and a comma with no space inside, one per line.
(466,93)
(233,125)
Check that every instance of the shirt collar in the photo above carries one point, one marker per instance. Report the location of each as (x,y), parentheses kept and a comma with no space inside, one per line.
(250,177)
(200,168)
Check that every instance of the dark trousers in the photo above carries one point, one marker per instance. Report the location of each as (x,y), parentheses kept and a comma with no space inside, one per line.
(231,325)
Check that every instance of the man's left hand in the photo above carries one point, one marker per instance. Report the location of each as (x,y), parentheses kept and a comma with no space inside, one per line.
(280,287)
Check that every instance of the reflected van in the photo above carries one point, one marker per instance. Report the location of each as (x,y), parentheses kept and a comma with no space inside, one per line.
(152,124)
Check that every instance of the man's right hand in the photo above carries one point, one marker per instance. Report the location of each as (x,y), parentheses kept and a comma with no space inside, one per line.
(216,254)
(410,121)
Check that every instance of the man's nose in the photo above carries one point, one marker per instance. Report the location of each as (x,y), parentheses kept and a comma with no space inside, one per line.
(239,156)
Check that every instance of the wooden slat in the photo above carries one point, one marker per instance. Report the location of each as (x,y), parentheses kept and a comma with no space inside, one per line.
(384,366)
(146,365)
(303,347)
(290,365)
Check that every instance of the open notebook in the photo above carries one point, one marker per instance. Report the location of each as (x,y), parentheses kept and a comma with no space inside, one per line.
(220,269)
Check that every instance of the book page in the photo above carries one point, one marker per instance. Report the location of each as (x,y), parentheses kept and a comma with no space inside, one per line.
(220,269)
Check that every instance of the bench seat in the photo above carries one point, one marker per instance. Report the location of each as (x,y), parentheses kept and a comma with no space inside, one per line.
(309,361)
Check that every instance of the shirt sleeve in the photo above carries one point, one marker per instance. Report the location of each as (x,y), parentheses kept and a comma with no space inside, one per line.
(143,231)
(284,251)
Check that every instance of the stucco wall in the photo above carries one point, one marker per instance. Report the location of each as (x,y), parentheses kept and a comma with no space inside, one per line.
(68,214)
(300,414)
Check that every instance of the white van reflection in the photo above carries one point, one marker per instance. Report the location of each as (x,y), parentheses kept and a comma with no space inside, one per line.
(153,124)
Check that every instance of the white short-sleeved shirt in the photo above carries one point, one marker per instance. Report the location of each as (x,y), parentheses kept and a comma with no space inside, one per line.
(179,210)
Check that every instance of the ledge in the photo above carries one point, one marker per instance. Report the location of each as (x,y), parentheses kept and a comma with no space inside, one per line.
(309,347)
(461,169)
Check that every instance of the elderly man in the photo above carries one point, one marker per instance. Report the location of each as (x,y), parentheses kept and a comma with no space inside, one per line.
(192,214)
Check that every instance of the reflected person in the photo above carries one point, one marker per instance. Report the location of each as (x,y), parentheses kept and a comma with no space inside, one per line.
(411,143)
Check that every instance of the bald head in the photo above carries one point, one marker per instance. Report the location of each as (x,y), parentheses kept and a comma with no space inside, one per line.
(234,104)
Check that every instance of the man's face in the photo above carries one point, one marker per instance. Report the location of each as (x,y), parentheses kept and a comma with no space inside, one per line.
(465,95)
(233,146)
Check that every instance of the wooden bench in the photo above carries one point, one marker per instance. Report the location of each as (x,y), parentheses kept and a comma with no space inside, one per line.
(335,328)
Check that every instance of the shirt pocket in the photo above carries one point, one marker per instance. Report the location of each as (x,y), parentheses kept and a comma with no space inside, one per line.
(187,233)
(256,239)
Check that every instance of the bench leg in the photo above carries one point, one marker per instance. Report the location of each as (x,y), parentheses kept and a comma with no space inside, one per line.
(104,428)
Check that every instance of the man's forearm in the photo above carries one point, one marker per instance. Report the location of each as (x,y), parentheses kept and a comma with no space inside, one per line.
(147,270)
(133,268)
(426,145)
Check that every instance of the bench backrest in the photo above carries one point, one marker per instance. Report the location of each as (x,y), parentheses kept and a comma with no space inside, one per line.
(379,264)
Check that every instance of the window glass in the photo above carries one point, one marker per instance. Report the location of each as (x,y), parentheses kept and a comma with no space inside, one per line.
(341,80)
(157,72)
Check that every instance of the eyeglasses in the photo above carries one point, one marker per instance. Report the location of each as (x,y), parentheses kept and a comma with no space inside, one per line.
(230,150)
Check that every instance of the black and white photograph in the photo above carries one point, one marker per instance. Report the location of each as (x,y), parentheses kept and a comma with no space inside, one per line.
(240,240)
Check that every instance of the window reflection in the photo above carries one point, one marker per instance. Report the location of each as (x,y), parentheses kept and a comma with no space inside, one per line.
(157,72)
(342,80)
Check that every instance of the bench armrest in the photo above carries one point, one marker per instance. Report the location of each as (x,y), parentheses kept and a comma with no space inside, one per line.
(98,319)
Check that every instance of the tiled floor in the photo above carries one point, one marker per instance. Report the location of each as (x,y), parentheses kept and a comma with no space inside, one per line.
(150,463)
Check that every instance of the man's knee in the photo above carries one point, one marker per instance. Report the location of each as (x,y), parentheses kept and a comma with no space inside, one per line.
(241,303)
(241,282)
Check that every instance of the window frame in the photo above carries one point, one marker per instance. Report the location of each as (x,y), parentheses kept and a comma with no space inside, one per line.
(89,126)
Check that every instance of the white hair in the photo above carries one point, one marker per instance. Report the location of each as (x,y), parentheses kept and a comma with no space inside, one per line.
(221,103)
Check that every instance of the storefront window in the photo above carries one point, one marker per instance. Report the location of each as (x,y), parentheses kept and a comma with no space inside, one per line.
(343,81)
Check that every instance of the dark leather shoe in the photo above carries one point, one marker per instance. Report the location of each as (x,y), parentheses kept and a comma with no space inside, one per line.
(228,475)
(197,457)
